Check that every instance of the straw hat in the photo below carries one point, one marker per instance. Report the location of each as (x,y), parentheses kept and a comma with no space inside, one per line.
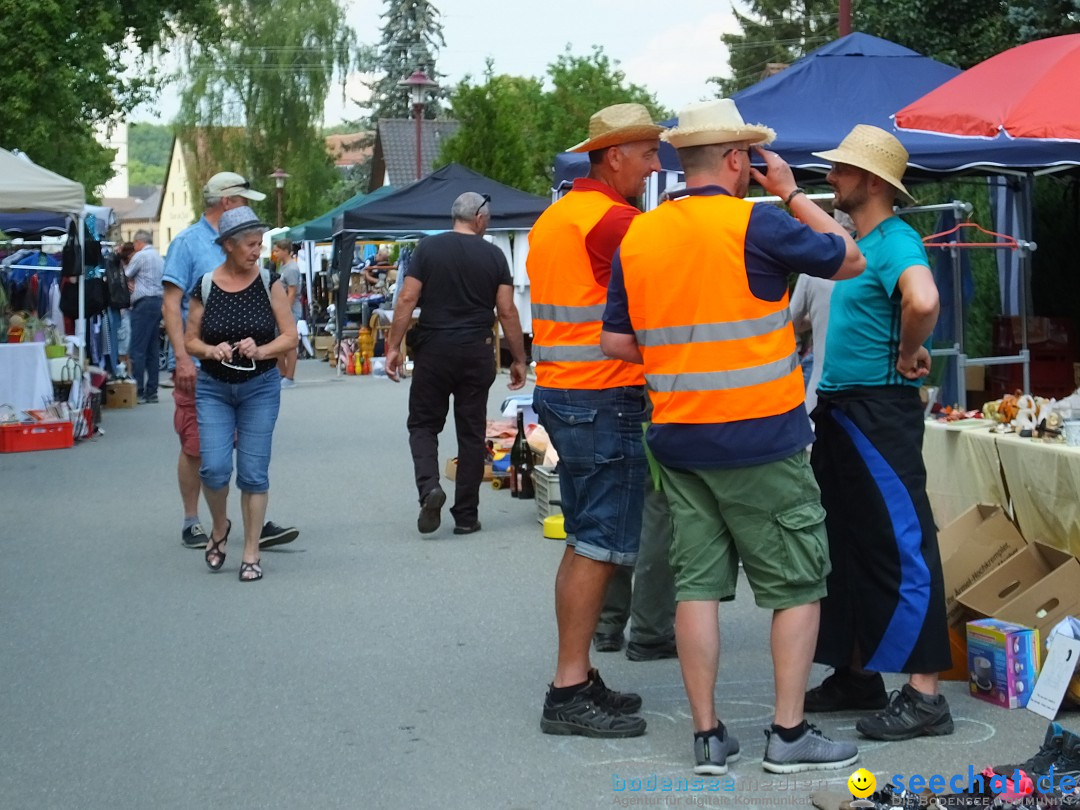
(617,124)
(715,122)
(876,151)
(238,220)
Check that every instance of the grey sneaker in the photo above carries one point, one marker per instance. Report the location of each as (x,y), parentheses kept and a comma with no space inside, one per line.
(713,751)
(813,751)
(193,537)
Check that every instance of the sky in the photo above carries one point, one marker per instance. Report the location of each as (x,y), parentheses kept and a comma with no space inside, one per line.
(670,49)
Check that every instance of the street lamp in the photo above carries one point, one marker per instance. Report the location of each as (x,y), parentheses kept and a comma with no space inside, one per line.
(279,177)
(418,85)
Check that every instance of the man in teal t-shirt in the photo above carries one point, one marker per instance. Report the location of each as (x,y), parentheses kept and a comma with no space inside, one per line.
(885,609)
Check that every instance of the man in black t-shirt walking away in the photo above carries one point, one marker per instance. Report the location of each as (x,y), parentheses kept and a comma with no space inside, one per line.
(457,279)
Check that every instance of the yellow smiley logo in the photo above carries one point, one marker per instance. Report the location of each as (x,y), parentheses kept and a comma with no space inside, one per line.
(861,783)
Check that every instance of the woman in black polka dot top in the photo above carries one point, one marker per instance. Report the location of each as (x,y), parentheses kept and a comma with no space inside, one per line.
(239,324)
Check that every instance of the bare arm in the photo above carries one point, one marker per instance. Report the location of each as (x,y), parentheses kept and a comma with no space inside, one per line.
(506,309)
(918,315)
(406,303)
(780,182)
(620,346)
(184,376)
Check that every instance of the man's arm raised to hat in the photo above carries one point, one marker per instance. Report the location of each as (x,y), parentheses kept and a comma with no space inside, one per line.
(780,182)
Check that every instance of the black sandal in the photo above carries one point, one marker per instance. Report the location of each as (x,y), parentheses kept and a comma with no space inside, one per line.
(215,548)
(250,568)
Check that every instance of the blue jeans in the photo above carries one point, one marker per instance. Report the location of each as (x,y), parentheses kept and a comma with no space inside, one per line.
(602,466)
(146,343)
(240,415)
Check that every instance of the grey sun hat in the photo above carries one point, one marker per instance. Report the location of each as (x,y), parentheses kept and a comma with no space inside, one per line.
(237,220)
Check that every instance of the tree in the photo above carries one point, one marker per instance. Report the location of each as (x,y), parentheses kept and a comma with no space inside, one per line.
(254,97)
(411,36)
(774,31)
(511,128)
(499,130)
(62,73)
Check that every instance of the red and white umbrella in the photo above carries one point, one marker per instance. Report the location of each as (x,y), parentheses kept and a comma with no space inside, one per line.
(1030,91)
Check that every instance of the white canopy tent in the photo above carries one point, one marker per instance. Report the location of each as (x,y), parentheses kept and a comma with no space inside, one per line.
(26,187)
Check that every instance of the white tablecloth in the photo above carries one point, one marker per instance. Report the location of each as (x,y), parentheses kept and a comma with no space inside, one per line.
(24,376)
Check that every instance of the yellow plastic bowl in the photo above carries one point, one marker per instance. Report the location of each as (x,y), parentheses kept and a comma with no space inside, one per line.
(554,528)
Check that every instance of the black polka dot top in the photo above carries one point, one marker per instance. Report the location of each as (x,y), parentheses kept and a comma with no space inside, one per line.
(229,317)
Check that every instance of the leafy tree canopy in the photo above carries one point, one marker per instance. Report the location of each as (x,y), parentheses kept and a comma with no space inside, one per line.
(253,97)
(511,127)
(62,73)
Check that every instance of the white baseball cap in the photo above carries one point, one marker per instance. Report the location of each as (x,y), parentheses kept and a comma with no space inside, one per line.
(231,184)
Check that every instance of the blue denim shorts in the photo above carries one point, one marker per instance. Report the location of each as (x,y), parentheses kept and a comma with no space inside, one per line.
(240,415)
(602,466)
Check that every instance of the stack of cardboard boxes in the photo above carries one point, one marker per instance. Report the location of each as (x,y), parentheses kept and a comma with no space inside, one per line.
(998,587)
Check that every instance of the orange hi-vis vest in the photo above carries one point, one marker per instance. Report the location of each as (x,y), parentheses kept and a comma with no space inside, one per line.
(568,302)
(713,351)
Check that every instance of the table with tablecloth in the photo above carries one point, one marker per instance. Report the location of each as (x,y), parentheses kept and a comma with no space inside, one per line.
(24,376)
(1037,482)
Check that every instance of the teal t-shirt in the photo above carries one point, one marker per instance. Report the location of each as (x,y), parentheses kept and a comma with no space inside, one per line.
(864,319)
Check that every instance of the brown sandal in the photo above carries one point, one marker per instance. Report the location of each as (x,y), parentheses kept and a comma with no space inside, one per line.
(216,549)
(250,568)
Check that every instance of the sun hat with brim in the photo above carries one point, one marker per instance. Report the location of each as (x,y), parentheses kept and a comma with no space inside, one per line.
(719,121)
(618,124)
(238,220)
(875,150)
(231,184)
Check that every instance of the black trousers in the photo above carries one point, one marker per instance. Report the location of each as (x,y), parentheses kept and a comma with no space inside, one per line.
(465,372)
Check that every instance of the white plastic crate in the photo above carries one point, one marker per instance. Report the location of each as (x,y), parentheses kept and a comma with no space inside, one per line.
(546,484)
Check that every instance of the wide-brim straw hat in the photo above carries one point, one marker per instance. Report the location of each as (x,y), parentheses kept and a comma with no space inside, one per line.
(875,150)
(618,124)
(718,121)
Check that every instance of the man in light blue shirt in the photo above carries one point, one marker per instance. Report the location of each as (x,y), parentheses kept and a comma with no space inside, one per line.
(192,254)
(145,270)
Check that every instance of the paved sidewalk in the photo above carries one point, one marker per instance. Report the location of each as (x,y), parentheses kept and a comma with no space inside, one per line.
(370,668)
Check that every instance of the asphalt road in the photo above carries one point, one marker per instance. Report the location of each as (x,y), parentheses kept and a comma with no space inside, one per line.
(370,668)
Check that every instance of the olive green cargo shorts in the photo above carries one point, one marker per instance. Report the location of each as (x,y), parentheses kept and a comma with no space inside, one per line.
(769,516)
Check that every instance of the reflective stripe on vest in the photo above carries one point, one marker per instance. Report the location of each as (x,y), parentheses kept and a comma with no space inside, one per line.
(567,302)
(713,351)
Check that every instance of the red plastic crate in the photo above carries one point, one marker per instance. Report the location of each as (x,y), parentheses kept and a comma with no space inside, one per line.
(35,436)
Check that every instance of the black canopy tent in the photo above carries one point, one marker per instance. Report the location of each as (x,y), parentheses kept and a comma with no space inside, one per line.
(422,208)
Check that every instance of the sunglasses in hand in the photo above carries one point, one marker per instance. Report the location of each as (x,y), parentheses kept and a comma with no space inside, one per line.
(238,363)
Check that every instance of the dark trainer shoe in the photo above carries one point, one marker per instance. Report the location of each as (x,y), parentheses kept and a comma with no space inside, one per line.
(618,702)
(584,716)
(607,642)
(909,714)
(431,511)
(1068,761)
(713,751)
(1039,765)
(470,529)
(845,691)
(193,537)
(274,535)
(653,651)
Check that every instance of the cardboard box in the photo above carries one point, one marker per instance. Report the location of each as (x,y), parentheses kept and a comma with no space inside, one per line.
(1003,660)
(972,546)
(450,470)
(1036,587)
(120,394)
(322,343)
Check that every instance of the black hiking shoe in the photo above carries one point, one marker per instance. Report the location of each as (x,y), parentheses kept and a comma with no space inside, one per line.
(617,702)
(846,691)
(909,714)
(584,716)
(1068,761)
(1039,765)
(274,535)
(607,642)
(652,651)
(431,511)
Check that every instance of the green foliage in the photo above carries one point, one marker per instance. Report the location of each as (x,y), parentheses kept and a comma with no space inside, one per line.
(61,73)
(254,96)
(150,144)
(499,130)
(411,35)
(773,31)
(511,127)
(142,174)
